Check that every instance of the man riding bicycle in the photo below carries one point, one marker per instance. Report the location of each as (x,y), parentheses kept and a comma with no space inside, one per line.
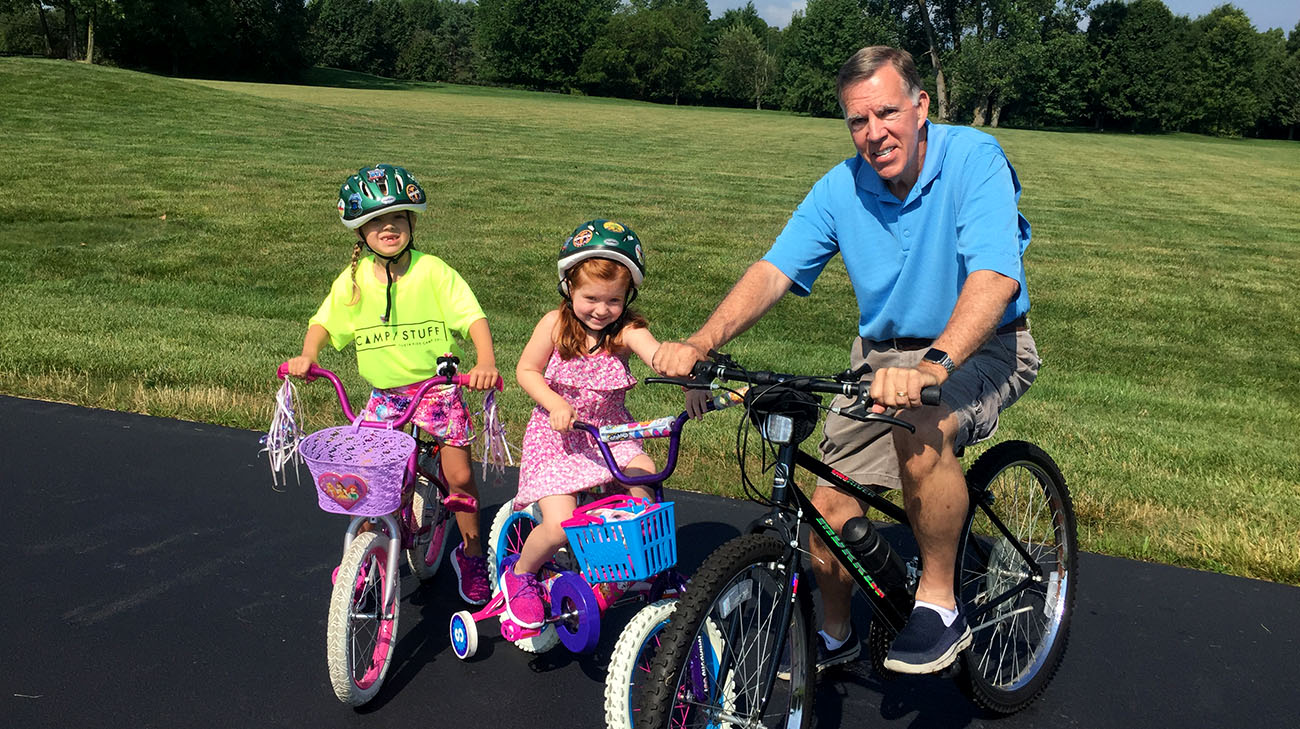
(926,221)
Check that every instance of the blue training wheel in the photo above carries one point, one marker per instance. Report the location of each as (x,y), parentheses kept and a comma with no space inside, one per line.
(464,634)
(572,597)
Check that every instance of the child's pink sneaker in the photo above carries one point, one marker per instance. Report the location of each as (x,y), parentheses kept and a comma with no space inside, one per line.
(523,599)
(471,577)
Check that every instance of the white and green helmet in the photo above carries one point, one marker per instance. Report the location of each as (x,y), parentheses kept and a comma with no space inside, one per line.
(378,190)
(602,239)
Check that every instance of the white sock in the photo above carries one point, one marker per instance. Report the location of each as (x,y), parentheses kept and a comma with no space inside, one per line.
(834,643)
(947,615)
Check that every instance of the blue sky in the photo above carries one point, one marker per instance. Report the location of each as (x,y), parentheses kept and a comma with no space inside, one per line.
(1264,14)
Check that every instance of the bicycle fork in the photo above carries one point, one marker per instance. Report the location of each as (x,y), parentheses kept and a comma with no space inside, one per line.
(393,534)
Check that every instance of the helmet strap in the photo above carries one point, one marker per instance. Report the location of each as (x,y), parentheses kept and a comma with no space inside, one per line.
(388,265)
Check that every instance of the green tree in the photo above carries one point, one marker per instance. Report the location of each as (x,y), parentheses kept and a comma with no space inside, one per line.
(539,43)
(647,51)
(1147,77)
(744,68)
(819,41)
(1227,54)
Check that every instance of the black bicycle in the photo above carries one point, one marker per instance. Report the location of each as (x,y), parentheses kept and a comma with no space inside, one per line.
(739,651)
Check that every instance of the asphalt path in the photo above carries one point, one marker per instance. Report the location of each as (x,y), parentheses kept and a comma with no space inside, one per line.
(160,581)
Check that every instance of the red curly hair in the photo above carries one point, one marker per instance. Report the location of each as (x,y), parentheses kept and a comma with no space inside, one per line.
(570,334)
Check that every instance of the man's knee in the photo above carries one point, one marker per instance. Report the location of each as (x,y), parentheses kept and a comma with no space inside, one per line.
(920,452)
(835,506)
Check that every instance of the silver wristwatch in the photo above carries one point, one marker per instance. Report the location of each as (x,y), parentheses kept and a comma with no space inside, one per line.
(941,358)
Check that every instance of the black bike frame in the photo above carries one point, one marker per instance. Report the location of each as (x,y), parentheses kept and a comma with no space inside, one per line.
(786,494)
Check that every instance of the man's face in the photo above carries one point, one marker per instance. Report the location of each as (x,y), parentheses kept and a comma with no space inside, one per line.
(886,124)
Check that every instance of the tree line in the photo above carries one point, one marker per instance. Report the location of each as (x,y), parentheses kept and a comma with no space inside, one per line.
(1124,65)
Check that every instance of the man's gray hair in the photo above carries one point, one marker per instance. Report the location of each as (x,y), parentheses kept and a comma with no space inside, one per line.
(864,64)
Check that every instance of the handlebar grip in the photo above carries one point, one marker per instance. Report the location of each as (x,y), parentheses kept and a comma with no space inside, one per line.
(312,372)
(463,380)
(930,395)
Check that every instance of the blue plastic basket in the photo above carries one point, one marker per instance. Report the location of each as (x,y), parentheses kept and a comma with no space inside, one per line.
(626,549)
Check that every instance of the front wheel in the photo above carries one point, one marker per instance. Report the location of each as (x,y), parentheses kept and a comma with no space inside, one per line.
(629,664)
(361,630)
(1017,575)
(718,663)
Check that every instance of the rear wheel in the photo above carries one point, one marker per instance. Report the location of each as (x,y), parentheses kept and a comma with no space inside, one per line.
(361,630)
(717,664)
(432,524)
(509,530)
(1016,584)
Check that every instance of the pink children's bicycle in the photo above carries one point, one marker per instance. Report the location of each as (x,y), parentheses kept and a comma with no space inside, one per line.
(391,484)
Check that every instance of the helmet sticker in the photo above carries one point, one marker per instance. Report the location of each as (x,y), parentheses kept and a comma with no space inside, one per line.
(582,238)
(413,192)
(613,227)
(640,258)
(386,199)
(354,203)
(375,175)
(342,207)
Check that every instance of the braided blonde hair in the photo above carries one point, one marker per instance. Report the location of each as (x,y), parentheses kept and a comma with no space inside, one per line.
(356,290)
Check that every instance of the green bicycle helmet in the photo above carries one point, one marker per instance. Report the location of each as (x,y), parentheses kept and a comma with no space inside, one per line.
(378,190)
(602,239)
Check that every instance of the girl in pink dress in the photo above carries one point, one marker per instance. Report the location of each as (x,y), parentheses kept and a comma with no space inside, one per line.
(576,367)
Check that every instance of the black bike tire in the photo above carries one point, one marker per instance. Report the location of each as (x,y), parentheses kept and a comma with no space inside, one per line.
(989,466)
(706,586)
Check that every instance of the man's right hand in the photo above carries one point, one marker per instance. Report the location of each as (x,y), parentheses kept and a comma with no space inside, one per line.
(675,359)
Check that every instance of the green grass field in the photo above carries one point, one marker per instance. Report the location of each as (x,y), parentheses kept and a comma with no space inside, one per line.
(164,242)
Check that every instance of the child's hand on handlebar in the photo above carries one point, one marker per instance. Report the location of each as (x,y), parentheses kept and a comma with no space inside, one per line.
(298,366)
(483,377)
(697,403)
(562,418)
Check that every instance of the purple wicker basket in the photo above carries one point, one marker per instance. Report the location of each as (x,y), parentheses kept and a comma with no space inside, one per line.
(358,471)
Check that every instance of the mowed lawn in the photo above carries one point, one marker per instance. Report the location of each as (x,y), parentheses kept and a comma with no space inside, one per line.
(164,242)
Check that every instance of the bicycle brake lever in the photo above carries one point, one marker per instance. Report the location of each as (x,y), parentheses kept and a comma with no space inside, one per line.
(855,412)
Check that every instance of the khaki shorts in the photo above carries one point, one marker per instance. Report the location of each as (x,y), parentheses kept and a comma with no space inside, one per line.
(996,376)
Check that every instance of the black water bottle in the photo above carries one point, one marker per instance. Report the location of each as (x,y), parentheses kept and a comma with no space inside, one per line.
(881,562)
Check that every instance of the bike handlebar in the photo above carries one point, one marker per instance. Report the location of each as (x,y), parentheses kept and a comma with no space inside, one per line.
(930,394)
(316,371)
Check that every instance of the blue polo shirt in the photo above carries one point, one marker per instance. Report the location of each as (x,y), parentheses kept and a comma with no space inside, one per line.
(907,260)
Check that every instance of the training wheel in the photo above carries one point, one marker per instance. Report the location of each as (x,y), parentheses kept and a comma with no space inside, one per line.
(464,634)
(572,597)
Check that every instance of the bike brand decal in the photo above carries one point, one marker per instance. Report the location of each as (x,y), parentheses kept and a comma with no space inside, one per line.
(582,238)
(613,227)
(413,192)
(347,490)
(838,543)
(386,199)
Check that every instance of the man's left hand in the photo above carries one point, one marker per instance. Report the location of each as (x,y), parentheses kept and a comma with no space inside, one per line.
(900,387)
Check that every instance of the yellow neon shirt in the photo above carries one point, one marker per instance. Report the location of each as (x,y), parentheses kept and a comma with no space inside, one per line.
(430,302)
